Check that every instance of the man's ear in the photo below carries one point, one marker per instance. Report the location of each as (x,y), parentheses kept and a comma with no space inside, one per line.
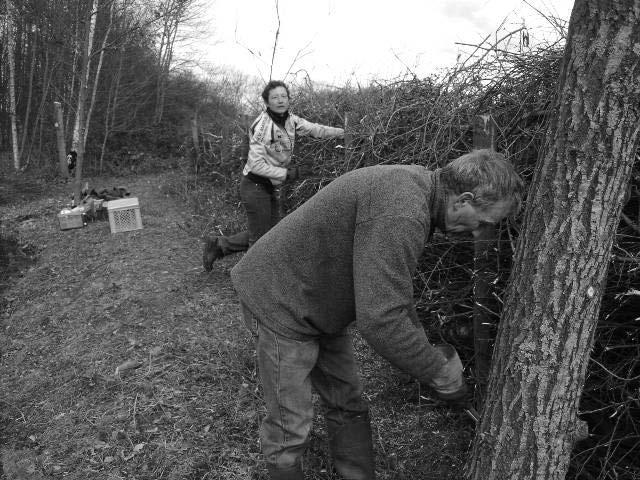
(465,197)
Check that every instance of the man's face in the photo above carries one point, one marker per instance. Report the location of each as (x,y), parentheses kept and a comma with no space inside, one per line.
(463,216)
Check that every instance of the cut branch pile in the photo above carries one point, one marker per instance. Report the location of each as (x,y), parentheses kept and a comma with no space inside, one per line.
(429,122)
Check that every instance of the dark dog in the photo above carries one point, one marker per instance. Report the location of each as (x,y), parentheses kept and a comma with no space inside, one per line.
(72,158)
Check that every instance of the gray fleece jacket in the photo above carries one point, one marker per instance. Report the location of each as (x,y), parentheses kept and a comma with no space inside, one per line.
(348,255)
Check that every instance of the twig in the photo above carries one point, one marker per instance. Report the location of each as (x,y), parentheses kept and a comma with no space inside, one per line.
(630,223)
(275,43)
(613,374)
(24,420)
(299,55)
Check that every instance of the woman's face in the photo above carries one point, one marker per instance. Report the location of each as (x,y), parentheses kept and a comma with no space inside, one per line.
(278,100)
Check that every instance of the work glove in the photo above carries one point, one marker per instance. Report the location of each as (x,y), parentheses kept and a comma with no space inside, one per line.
(292,174)
(448,383)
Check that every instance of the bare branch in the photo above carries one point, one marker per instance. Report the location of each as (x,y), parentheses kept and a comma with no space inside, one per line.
(275,43)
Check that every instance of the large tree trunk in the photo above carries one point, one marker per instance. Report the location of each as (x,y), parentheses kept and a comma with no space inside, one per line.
(529,422)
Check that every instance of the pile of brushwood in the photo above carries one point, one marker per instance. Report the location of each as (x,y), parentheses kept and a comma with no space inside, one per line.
(429,122)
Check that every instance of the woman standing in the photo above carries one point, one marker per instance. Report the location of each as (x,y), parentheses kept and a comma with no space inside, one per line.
(268,166)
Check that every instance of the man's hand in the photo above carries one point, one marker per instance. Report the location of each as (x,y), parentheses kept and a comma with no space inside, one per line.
(448,384)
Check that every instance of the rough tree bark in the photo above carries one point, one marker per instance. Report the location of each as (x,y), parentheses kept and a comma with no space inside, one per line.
(529,421)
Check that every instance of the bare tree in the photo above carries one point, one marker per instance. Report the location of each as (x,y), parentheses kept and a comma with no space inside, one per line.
(80,122)
(112,107)
(47,77)
(11,46)
(171,12)
(529,423)
(92,57)
(32,68)
(96,77)
(174,16)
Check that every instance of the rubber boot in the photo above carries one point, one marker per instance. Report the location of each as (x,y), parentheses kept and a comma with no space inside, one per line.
(352,448)
(285,473)
(211,252)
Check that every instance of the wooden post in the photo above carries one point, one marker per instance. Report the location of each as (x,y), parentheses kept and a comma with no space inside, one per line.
(246,134)
(485,258)
(195,136)
(484,132)
(62,151)
(348,139)
(347,130)
(196,142)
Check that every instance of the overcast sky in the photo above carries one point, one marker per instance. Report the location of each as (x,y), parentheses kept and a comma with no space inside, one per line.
(340,41)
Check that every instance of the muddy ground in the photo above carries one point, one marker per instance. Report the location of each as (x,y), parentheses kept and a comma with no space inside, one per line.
(122,359)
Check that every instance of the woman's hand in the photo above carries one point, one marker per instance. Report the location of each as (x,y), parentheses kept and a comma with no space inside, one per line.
(298,172)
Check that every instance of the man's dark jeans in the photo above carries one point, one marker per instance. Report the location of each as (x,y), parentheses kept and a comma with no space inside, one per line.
(262,205)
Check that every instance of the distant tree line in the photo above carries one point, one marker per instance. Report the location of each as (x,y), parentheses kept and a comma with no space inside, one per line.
(111,67)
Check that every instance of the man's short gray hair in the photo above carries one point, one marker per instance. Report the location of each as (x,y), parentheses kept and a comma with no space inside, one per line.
(485,173)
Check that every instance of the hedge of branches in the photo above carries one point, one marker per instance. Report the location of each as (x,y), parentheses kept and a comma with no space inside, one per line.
(429,122)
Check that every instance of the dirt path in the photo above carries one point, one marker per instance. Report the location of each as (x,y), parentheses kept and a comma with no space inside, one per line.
(120,358)
(95,302)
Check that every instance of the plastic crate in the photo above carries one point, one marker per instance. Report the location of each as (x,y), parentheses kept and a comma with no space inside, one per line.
(124,215)
(70,220)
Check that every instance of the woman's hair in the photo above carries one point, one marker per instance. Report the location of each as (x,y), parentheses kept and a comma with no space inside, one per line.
(270,86)
(485,173)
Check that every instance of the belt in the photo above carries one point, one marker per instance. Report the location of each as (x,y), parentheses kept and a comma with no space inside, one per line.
(259,179)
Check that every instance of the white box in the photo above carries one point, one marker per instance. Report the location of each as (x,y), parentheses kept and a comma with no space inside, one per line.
(124,215)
